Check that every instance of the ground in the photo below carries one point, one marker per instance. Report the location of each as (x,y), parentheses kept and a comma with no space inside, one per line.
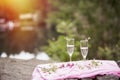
(14,69)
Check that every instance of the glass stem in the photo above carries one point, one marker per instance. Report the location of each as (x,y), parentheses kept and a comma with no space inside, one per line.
(84,58)
(70,59)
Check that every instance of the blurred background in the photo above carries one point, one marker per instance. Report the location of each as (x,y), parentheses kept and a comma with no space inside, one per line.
(40,27)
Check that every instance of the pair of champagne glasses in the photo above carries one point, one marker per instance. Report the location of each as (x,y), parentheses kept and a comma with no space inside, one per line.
(83,47)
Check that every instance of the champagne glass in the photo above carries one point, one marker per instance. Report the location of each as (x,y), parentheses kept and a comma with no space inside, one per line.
(84,48)
(70,47)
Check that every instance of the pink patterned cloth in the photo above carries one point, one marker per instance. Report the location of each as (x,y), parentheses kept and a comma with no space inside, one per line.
(76,69)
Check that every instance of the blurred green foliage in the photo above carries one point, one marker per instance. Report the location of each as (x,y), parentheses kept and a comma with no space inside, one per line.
(57,50)
(98,19)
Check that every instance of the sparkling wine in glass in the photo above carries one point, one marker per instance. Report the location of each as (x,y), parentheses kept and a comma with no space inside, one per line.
(70,47)
(84,48)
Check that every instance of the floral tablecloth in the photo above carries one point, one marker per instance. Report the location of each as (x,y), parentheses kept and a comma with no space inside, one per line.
(76,69)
